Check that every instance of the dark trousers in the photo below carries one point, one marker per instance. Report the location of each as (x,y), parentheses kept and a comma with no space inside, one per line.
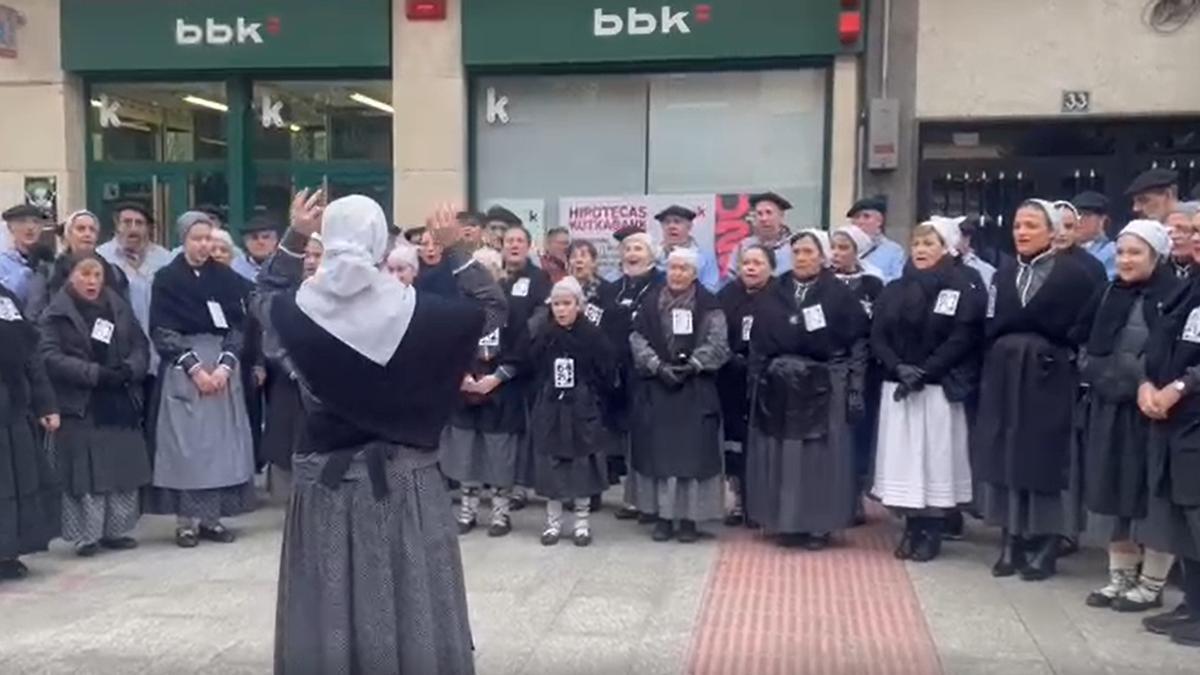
(1191,584)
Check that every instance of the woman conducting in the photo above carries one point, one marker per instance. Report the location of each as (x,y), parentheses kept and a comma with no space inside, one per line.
(740,300)
(1022,436)
(371,575)
(204,458)
(926,332)
(679,343)
(807,360)
(96,356)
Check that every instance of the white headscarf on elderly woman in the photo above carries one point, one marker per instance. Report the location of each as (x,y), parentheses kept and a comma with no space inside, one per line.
(823,243)
(365,308)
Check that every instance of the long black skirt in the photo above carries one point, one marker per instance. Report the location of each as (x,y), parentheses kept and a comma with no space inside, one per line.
(30,507)
(372,585)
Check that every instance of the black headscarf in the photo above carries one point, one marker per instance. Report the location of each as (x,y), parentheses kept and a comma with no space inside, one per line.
(1118,299)
(179,300)
(62,266)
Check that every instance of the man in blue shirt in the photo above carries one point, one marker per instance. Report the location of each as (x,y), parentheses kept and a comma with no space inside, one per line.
(677,233)
(139,258)
(17,262)
(769,231)
(1091,230)
(869,215)
(967,228)
(260,237)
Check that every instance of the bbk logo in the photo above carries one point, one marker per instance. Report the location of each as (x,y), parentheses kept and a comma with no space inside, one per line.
(239,31)
(637,22)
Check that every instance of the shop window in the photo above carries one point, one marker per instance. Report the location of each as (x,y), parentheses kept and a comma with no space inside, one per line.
(322,121)
(158,122)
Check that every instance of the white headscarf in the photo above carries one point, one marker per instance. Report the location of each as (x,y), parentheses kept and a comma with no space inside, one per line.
(862,240)
(822,238)
(403,255)
(687,256)
(569,286)
(949,230)
(366,309)
(1052,212)
(1150,231)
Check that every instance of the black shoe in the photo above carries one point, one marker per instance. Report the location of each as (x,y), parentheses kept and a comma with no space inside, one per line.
(647,519)
(185,537)
(908,540)
(735,519)
(550,537)
(465,526)
(596,504)
(626,513)
(583,538)
(1186,634)
(13,569)
(517,502)
(817,542)
(1012,555)
(793,539)
(952,526)
(1128,605)
(1067,546)
(219,534)
(663,531)
(687,532)
(87,550)
(501,528)
(1043,564)
(1161,624)
(929,544)
(119,543)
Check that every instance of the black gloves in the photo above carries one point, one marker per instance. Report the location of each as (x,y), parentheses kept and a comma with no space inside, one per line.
(912,377)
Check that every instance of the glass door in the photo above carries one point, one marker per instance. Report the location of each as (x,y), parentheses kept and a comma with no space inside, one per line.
(166,191)
(274,185)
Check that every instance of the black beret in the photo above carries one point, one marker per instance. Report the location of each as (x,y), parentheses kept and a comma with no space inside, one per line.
(414,234)
(1152,179)
(877,203)
(626,231)
(214,211)
(783,204)
(469,218)
(23,212)
(1091,202)
(260,224)
(134,206)
(499,213)
(677,211)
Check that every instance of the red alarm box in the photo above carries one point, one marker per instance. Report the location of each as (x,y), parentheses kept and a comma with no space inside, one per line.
(425,10)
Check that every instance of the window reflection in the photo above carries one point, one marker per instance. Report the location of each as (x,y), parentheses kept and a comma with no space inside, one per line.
(151,121)
(321,121)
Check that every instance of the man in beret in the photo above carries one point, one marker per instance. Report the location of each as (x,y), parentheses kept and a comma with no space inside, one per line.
(677,223)
(1154,194)
(870,214)
(18,261)
(140,259)
(769,231)
(260,236)
(497,220)
(1091,229)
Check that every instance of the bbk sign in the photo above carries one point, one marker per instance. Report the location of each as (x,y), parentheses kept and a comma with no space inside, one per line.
(664,20)
(237,30)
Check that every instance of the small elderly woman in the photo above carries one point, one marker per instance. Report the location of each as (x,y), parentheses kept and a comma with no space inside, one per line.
(1117,434)
(204,457)
(402,262)
(679,343)
(1022,437)
(573,374)
(96,356)
(80,233)
(807,355)
(926,333)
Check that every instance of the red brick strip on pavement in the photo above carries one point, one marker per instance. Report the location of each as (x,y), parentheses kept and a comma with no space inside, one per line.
(848,610)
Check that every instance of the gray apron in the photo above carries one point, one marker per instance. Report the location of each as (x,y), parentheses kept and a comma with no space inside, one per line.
(202,442)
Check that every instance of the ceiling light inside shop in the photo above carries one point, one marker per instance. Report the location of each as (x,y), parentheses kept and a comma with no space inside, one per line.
(205,103)
(295,128)
(96,103)
(371,102)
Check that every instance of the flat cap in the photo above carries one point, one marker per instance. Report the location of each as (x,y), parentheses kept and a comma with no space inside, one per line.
(1152,179)
(503,215)
(626,231)
(1091,202)
(137,207)
(23,212)
(783,204)
(877,203)
(677,211)
(261,224)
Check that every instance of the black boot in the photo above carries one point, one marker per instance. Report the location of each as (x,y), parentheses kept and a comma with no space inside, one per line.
(952,526)
(929,544)
(1012,555)
(1043,564)
(688,534)
(908,540)
(663,531)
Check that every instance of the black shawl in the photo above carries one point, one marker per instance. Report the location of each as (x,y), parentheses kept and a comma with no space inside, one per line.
(673,348)
(180,296)
(19,339)
(739,303)
(622,305)
(1113,304)
(567,422)
(779,326)
(522,307)
(1053,312)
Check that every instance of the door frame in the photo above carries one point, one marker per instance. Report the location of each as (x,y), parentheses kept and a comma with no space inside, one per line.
(175,177)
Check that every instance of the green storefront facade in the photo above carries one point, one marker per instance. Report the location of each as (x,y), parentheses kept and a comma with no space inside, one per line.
(233,103)
(574,100)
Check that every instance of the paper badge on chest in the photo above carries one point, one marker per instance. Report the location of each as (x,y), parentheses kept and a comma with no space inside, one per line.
(217,314)
(9,311)
(564,373)
(747,326)
(947,303)
(991,308)
(492,339)
(814,318)
(102,331)
(593,313)
(520,288)
(681,321)
(1191,329)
